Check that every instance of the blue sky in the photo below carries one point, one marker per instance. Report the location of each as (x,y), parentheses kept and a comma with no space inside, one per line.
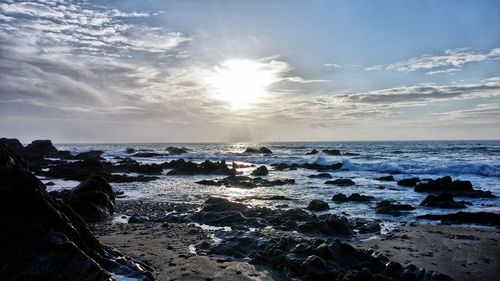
(125,71)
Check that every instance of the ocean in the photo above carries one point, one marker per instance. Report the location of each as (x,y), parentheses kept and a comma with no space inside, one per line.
(476,161)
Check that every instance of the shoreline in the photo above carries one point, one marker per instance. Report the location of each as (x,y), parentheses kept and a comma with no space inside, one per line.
(168,248)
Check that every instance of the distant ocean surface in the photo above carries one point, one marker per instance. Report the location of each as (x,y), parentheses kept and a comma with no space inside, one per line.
(477,161)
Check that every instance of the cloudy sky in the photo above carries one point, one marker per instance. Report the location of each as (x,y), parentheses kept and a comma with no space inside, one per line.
(200,71)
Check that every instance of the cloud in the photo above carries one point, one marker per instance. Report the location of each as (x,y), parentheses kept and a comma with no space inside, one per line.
(332,66)
(451,60)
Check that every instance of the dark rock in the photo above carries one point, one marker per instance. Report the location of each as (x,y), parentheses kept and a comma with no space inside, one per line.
(328,224)
(408,182)
(204,168)
(389,208)
(333,152)
(245,182)
(78,170)
(318,205)
(126,178)
(351,154)
(444,200)
(484,218)
(221,204)
(39,149)
(93,154)
(14,145)
(176,150)
(44,239)
(312,152)
(455,187)
(386,178)
(311,166)
(93,199)
(63,154)
(130,150)
(321,176)
(341,182)
(263,150)
(260,171)
(355,197)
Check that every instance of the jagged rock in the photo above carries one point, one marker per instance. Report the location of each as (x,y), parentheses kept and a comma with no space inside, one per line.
(130,150)
(341,182)
(355,197)
(245,182)
(329,224)
(263,150)
(321,176)
(176,150)
(484,218)
(205,168)
(260,171)
(444,200)
(44,239)
(455,187)
(93,199)
(385,178)
(318,205)
(394,209)
(39,149)
(93,154)
(332,152)
(14,145)
(408,182)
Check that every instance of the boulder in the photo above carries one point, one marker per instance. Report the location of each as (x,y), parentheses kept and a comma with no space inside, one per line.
(455,187)
(44,239)
(260,171)
(245,182)
(385,178)
(329,224)
(318,205)
(444,200)
(355,197)
(39,149)
(321,176)
(14,145)
(93,199)
(408,182)
(332,152)
(176,150)
(483,218)
(394,209)
(93,154)
(263,150)
(341,182)
(130,150)
(205,168)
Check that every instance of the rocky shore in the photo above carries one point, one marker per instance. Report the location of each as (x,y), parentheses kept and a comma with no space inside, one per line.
(90,233)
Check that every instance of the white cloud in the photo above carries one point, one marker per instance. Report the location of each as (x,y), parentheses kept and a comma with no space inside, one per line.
(435,64)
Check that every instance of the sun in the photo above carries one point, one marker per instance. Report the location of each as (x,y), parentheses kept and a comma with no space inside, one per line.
(240,82)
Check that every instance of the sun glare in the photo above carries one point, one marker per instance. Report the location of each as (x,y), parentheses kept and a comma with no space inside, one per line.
(241,82)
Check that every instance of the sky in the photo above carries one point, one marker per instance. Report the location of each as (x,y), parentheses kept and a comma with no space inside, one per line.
(230,71)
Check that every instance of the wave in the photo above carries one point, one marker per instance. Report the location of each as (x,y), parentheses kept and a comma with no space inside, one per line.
(454,169)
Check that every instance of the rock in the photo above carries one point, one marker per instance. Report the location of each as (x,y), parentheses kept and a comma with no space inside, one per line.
(408,182)
(312,152)
(355,197)
(260,171)
(130,150)
(455,187)
(483,218)
(221,205)
(14,145)
(444,200)
(386,178)
(321,176)
(329,224)
(176,150)
(93,154)
(332,152)
(389,208)
(39,149)
(93,199)
(351,154)
(311,166)
(263,150)
(44,239)
(63,154)
(318,205)
(78,170)
(204,168)
(126,178)
(245,182)
(341,182)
